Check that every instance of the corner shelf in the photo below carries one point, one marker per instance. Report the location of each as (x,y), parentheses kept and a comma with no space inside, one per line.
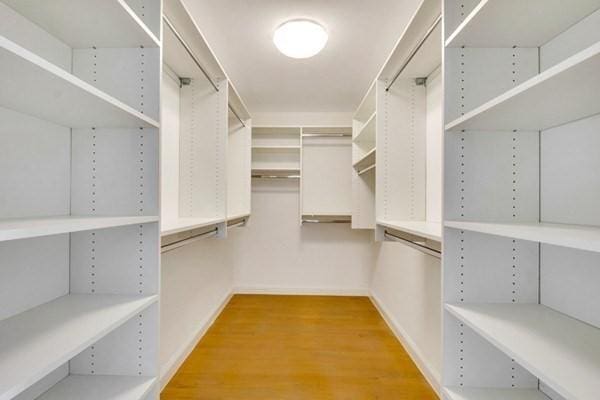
(37,341)
(34,86)
(24,228)
(532,22)
(561,351)
(100,387)
(493,394)
(365,161)
(367,132)
(424,229)
(573,236)
(184,224)
(557,93)
(87,23)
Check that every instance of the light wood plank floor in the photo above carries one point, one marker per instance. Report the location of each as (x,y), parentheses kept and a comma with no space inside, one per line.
(298,348)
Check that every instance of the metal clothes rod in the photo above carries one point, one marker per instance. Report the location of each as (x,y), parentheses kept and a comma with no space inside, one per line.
(427,250)
(326,134)
(277,176)
(332,221)
(362,171)
(183,242)
(241,223)
(197,62)
(415,51)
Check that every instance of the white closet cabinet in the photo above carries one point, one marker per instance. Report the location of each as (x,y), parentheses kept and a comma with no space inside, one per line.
(522,226)
(79,235)
(206,137)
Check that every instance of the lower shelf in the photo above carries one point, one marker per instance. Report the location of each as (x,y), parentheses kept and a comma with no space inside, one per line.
(36,342)
(90,387)
(493,394)
(561,351)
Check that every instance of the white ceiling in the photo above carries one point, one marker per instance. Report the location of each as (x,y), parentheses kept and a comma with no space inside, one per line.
(361,35)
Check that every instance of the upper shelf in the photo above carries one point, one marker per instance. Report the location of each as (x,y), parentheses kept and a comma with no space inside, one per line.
(367,132)
(493,394)
(366,161)
(276,147)
(566,92)
(561,351)
(187,224)
(508,23)
(36,342)
(424,229)
(573,236)
(33,86)
(100,387)
(88,23)
(24,228)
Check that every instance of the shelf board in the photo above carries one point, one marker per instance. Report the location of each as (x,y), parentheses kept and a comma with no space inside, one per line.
(558,94)
(532,23)
(276,148)
(34,86)
(366,160)
(87,23)
(24,228)
(573,236)
(100,387)
(425,229)
(184,224)
(367,132)
(237,216)
(561,351)
(37,341)
(454,393)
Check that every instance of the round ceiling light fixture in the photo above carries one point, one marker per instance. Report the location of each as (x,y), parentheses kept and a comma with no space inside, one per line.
(300,38)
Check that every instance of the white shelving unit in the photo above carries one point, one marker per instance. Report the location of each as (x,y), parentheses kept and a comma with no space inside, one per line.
(79,217)
(208,133)
(521,236)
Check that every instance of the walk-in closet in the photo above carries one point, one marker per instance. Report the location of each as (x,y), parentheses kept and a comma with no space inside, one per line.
(299,200)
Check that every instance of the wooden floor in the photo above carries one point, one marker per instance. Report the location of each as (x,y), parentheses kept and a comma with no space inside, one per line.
(298,348)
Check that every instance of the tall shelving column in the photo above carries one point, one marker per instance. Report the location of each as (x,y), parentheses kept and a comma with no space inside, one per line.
(521,237)
(79,231)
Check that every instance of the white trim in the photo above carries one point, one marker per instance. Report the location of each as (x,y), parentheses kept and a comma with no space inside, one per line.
(178,358)
(431,375)
(300,291)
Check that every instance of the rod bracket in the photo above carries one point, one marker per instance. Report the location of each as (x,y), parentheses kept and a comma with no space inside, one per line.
(421,81)
(185,82)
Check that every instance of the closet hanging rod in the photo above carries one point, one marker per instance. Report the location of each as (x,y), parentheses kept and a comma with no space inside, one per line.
(326,134)
(415,245)
(362,171)
(175,245)
(414,52)
(276,176)
(331,221)
(197,62)
(236,224)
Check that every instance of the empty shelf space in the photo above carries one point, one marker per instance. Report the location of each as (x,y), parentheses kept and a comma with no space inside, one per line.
(37,341)
(23,228)
(493,394)
(33,86)
(187,224)
(87,23)
(365,161)
(424,229)
(558,93)
(561,351)
(532,23)
(98,387)
(367,132)
(573,236)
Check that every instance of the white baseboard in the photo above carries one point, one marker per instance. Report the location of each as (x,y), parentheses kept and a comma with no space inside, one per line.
(278,290)
(168,371)
(432,376)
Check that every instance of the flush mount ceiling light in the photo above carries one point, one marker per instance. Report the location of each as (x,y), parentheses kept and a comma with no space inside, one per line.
(300,38)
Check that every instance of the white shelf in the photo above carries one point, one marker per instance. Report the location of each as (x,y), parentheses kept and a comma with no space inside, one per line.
(276,148)
(237,216)
(558,94)
(367,132)
(532,23)
(187,224)
(36,342)
(32,85)
(561,351)
(23,228)
(366,160)
(573,236)
(87,23)
(425,229)
(98,387)
(493,394)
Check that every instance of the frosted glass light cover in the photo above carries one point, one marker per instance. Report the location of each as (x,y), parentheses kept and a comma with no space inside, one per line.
(300,38)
